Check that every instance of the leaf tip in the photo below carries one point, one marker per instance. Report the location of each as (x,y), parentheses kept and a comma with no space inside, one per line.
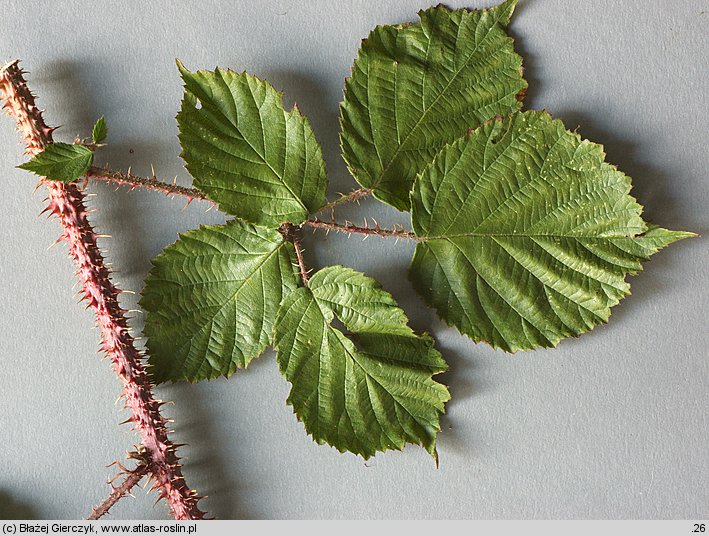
(504,11)
(184,71)
(676,236)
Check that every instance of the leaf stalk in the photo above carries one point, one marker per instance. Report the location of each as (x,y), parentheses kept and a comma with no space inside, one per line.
(292,234)
(349,228)
(149,183)
(353,196)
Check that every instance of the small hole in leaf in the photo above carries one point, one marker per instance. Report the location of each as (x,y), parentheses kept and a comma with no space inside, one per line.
(337,324)
(198,104)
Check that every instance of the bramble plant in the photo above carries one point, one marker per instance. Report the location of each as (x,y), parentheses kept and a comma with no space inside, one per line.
(524,235)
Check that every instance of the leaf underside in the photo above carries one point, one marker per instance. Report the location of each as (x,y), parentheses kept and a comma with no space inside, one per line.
(210,300)
(367,390)
(254,159)
(62,162)
(416,87)
(528,234)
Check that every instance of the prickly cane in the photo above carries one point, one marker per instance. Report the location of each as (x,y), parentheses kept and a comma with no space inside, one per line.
(66,202)
(131,478)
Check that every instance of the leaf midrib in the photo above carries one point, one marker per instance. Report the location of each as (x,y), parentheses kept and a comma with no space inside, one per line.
(430,107)
(280,177)
(524,235)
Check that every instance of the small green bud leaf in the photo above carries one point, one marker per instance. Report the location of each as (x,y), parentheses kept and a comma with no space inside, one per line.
(100,131)
(61,162)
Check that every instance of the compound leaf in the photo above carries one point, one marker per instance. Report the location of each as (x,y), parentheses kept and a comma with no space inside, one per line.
(367,390)
(210,300)
(527,235)
(416,87)
(253,158)
(62,162)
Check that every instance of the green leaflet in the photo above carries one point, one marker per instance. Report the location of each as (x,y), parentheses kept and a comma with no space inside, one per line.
(527,233)
(61,162)
(249,155)
(210,300)
(416,87)
(100,130)
(365,391)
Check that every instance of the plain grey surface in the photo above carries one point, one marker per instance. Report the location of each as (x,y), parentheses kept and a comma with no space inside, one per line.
(613,424)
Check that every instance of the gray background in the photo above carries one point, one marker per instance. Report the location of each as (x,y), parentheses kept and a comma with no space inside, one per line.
(610,425)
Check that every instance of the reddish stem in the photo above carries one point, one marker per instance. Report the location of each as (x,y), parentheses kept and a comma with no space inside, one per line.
(354,195)
(191,194)
(349,228)
(124,488)
(150,183)
(67,203)
(302,268)
(291,233)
